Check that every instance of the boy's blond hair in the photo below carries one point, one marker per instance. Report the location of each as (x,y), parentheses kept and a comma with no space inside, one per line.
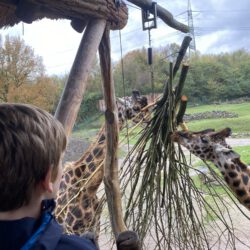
(31,142)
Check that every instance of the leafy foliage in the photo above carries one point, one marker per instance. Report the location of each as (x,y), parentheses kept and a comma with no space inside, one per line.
(89,106)
(22,76)
(212,78)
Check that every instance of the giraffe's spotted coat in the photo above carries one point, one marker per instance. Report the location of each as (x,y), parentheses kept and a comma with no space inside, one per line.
(84,208)
(236,183)
(232,174)
(210,145)
(245,179)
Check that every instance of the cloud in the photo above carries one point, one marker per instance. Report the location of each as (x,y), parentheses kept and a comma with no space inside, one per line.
(226,19)
(210,43)
(55,41)
(133,37)
(220,26)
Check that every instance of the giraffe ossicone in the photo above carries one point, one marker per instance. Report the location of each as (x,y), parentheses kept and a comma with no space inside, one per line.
(211,146)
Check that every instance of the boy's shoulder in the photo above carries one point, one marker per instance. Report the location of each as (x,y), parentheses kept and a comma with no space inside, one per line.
(53,238)
(68,242)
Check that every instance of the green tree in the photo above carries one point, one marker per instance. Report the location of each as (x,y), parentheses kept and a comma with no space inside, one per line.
(23,78)
(95,78)
(218,77)
(135,73)
(18,65)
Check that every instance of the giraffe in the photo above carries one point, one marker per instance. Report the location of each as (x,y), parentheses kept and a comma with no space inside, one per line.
(211,146)
(78,208)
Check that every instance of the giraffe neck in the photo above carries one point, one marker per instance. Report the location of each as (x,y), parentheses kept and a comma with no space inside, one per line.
(98,143)
(78,206)
(236,174)
(90,162)
(79,214)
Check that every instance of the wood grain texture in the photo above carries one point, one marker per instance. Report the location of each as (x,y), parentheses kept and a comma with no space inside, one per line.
(74,90)
(68,9)
(111,180)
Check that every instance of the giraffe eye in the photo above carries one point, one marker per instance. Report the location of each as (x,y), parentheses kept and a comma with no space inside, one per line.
(183,134)
(136,108)
(204,139)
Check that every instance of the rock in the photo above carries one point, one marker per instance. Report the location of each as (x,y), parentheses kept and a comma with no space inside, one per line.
(209,115)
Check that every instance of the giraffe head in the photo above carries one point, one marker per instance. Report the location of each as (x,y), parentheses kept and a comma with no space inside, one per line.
(207,144)
(132,108)
(211,145)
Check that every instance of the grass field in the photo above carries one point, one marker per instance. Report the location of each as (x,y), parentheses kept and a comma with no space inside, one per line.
(240,124)
(88,129)
(244,152)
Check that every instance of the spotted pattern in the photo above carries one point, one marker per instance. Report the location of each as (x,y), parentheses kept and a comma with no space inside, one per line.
(245,179)
(83,212)
(232,174)
(236,183)
(212,146)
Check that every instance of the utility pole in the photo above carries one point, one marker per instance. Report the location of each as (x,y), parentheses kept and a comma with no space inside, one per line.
(192,46)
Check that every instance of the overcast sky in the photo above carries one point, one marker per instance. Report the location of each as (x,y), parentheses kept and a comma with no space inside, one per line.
(219,26)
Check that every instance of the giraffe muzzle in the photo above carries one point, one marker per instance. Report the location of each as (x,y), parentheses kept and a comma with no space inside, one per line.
(175,136)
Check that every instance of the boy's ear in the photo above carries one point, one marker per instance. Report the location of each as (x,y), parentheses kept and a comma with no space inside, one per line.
(47,183)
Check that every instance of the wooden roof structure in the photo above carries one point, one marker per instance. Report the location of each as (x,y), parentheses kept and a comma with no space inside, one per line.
(14,11)
(96,17)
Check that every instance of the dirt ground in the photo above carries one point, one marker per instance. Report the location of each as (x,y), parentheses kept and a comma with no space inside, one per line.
(77,146)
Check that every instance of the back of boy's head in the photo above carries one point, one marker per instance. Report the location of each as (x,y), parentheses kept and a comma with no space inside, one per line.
(31,142)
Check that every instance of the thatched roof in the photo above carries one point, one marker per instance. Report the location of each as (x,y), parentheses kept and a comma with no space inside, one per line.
(14,11)
(79,11)
(7,16)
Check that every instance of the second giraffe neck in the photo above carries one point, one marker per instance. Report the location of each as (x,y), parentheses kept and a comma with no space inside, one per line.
(226,165)
(236,174)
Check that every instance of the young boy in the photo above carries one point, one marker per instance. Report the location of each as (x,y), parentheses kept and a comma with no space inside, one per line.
(32,143)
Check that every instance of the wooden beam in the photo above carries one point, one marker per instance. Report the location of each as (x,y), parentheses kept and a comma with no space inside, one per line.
(72,96)
(111,180)
(78,24)
(75,9)
(162,13)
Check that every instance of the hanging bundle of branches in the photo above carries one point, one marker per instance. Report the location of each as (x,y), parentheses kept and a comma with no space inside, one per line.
(162,200)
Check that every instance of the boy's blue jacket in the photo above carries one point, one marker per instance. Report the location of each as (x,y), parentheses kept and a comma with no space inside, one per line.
(42,234)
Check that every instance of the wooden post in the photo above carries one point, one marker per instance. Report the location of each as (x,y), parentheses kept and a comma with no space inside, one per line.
(111,180)
(72,96)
